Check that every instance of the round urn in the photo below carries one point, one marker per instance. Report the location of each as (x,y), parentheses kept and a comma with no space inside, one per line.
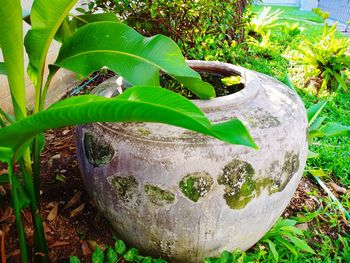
(184,196)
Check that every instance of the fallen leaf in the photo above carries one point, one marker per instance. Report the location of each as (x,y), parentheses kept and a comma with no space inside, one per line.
(65,132)
(85,248)
(2,190)
(338,188)
(59,244)
(302,226)
(74,200)
(53,213)
(92,244)
(56,156)
(77,210)
(7,215)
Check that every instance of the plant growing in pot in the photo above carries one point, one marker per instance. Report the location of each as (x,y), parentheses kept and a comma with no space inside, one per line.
(88,49)
(185,196)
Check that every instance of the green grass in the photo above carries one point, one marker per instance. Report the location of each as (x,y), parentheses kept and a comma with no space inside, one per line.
(293,13)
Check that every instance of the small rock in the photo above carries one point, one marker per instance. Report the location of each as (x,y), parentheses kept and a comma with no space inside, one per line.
(302,226)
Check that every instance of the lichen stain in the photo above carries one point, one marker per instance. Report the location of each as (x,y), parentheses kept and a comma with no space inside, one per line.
(262,119)
(159,196)
(125,188)
(240,187)
(144,132)
(196,185)
(97,151)
(290,167)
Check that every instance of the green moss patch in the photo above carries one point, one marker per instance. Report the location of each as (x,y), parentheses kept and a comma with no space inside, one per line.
(97,151)
(159,196)
(196,185)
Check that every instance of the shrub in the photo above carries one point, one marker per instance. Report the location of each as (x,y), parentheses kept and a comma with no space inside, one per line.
(325,61)
(192,24)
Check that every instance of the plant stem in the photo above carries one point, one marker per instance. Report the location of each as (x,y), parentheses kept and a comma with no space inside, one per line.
(36,168)
(17,208)
(40,246)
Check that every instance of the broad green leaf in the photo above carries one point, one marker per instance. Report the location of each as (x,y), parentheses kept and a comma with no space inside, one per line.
(6,153)
(11,42)
(314,111)
(148,104)
(120,247)
(286,243)
(46,17)
(286,80)
(335,129)
(23,200)
(301,244)
(138,59)
(272,248)
(2,68)
(98,256)
(292,229)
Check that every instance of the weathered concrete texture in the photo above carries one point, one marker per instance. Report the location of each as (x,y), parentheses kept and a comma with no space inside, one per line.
(190,196)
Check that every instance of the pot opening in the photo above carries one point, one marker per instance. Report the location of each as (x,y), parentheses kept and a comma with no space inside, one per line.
(216,77)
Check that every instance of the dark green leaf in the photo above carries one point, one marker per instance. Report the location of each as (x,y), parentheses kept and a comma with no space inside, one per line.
(225,257)
(301,244)
(105,44)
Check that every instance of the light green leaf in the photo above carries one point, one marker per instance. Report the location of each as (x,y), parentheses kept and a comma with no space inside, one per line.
(11,42)
(301,244)
(335,129)
(272,248)
(2,68)
(286,80)
(131,254)
(314,111)
(286,244)
(46,17)
(318,172)
(120,247)
(112,256)
(230,81)
(317,123)
(106,44)
(312,155)
(148,104)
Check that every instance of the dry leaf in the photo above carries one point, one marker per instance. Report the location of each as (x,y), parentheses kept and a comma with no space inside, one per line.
(338,188)
(53,213)
(302,226)
(74,200)
(56,156)
(2,190)
(77,210)
(65,132)
(59,244)
(7,215)
(85,248)
(92,244)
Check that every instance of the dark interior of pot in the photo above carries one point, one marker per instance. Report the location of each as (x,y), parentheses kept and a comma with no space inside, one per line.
(212,75)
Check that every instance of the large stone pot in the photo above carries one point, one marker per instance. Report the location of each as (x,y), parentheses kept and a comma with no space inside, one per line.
(183,196)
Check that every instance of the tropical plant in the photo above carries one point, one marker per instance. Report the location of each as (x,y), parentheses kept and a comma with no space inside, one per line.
(325,60)
(87,49)
(259,24)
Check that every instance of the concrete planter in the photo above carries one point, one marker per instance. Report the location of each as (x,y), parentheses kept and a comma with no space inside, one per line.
(184,196)
(308,5)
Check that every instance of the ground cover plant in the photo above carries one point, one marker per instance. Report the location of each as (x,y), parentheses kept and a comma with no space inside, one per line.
(325,229)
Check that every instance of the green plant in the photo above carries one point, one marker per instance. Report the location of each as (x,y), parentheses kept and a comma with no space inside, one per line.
(21,138)
(189,23)
(260,23)
(326,60)
(116,253)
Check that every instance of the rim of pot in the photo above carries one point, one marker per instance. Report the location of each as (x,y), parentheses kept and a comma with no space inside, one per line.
(250,81)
